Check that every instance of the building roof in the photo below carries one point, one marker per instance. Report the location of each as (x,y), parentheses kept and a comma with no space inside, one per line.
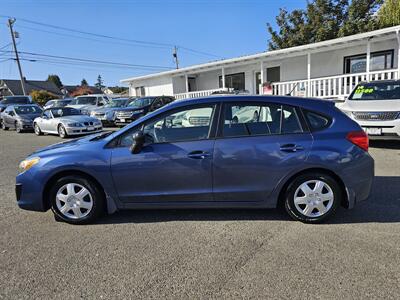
(14,86)
(292,51)
(72,88)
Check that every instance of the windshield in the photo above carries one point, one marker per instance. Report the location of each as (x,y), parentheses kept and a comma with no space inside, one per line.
(85,101)
(15,99)
(24,110)
(376,91)
(117,103)
(141,102)
(66,111)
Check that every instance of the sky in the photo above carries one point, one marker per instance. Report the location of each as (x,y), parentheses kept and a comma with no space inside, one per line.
(202,30)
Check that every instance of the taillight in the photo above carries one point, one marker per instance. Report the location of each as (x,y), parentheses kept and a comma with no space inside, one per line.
(359,138)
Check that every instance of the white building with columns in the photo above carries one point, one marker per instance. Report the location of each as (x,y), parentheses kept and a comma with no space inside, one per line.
(328,69)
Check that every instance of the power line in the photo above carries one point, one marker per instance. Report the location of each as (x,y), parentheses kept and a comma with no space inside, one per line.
(136,42)
(91,60)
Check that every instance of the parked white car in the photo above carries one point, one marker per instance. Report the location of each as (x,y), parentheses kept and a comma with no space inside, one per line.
(66,121)
(376,107)
(86,104)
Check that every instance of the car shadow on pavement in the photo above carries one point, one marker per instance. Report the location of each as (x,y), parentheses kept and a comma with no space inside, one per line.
(383,206)
(383,144)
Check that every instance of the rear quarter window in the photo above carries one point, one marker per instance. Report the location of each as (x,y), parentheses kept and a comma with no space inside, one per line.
(317,121)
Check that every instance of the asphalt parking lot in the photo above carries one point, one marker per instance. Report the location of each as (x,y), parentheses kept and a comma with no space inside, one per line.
(200,254)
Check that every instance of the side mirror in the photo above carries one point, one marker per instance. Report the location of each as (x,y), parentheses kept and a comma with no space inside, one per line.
(138,142)
(100,104)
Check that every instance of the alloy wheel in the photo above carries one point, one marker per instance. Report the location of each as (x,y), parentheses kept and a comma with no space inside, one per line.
(74,201)
(313,198)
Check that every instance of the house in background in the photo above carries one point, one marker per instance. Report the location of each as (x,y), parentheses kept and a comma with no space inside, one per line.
(328,69)
(10,87)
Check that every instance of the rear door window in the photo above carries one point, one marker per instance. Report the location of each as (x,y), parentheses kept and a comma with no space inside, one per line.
(259,119)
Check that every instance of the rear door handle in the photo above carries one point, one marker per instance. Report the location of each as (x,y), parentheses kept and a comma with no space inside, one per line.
(198,154)
(291,148)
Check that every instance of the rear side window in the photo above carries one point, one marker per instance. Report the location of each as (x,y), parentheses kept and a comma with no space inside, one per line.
(259,119)
(316,121)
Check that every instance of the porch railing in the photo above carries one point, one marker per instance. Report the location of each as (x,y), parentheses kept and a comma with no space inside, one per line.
(335,87)
(197,94)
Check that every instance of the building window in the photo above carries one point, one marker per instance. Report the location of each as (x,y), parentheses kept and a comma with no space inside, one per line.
(234,81)
(140,91)
(358,63)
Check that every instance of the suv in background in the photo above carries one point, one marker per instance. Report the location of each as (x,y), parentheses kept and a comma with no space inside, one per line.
(85,104)
(8,100)
(58,103)
(139,108)
(375,106)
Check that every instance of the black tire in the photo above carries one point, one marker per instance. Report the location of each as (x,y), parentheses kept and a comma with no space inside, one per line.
(62,133)
(289,197)
(18,129)
(97,197)
(37,130)
(3,126)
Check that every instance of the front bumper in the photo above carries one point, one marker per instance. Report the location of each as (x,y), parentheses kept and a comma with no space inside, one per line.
(383,129)
(28,193)
(83,130)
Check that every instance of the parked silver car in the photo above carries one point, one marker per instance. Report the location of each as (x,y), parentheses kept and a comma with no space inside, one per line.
(85,104)
(66,121)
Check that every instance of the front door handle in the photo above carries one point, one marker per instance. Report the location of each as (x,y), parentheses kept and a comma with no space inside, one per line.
(198,154)
(291,148)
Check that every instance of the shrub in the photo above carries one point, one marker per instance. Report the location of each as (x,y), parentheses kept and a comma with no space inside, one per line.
(42,96)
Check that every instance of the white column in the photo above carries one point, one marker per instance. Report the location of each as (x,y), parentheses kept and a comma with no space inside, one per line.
(223,78)
(368,57)
(262,75)
(308,74)
(398,53)
(187,83)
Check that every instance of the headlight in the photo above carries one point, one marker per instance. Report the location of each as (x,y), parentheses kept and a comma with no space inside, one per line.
(26,164)
(92,114)
(74,125)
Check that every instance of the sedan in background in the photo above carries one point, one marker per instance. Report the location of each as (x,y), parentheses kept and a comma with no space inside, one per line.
(58,103)
(106,114)
(304,155)
(20,117)
(375,106)
(66,121)
(140,107)
(85,104)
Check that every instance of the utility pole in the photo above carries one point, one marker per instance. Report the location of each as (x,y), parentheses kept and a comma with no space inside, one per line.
(10,24)
(175,55)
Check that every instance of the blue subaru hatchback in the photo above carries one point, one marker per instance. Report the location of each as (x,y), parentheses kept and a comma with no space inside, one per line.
(216,152)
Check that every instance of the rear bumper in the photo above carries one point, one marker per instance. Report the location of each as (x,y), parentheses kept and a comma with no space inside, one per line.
(390,129)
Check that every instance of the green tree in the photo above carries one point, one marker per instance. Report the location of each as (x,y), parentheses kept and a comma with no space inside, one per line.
(55,79)
(389,14)
(322,20)
(99,82)
(84,82)
(361,17)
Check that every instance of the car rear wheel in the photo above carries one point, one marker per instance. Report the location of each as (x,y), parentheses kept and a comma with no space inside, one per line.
(76,200)
(62,132)
(312,198)
(37,129)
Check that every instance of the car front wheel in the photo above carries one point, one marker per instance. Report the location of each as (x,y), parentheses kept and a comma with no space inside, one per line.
(312,198)
(37,130)
(62,132)
(76,200)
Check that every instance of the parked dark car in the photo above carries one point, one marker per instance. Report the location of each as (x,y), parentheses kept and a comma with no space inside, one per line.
(58,103)
(304,154)
(9,100)
(106,114)
(140,107)
(20,117)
